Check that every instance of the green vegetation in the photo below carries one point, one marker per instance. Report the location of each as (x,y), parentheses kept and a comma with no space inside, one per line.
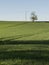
(33,16)
(24,43)
(24,31)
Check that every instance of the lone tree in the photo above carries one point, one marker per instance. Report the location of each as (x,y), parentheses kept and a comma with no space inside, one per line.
(33,16)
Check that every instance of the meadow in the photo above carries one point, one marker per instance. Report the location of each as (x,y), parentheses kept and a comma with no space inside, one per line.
(24,43)
(24,31)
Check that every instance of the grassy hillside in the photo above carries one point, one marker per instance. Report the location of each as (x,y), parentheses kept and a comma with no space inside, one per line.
(24,43)
(24,31)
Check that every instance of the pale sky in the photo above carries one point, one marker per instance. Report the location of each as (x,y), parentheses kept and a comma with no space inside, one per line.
(15,9)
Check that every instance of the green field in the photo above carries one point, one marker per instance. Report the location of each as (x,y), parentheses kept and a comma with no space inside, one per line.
(24,31)
(24,43)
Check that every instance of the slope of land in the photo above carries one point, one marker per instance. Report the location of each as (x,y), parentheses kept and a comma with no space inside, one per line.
(24,43)
(24,30)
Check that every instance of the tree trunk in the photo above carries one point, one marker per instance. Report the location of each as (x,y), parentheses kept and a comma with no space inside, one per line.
(33,20)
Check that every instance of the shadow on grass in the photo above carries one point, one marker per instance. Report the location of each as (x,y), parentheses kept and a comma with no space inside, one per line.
(33,54)
(25,54)
(6,42)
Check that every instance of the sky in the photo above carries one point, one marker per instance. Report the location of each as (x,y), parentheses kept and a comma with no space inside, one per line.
(17,10)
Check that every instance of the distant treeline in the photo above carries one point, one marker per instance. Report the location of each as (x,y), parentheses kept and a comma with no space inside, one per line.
(25,21)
